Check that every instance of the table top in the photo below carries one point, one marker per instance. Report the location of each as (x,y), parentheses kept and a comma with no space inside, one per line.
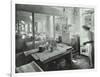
(30,52)
(45,55)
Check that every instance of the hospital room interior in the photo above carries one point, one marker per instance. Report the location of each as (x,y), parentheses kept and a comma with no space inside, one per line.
(53,38)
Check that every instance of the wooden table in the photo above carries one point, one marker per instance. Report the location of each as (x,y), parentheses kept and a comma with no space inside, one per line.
(47,57)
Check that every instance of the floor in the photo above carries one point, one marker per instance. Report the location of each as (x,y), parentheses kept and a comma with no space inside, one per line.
(81,62)
(78,62)
(21,59)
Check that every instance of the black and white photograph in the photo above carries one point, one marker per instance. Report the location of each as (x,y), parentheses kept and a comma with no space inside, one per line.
(53,38)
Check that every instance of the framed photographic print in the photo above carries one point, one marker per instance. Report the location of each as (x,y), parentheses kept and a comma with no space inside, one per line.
(52,38)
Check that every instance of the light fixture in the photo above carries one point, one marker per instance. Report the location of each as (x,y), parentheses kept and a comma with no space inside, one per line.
(22,22)
(30,17)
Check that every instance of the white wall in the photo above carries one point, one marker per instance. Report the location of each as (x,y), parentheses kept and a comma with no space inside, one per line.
(74,20)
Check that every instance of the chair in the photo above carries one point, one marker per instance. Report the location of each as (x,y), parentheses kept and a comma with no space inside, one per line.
(76,45)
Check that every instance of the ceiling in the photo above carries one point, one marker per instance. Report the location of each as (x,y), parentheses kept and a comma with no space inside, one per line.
(50,10)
